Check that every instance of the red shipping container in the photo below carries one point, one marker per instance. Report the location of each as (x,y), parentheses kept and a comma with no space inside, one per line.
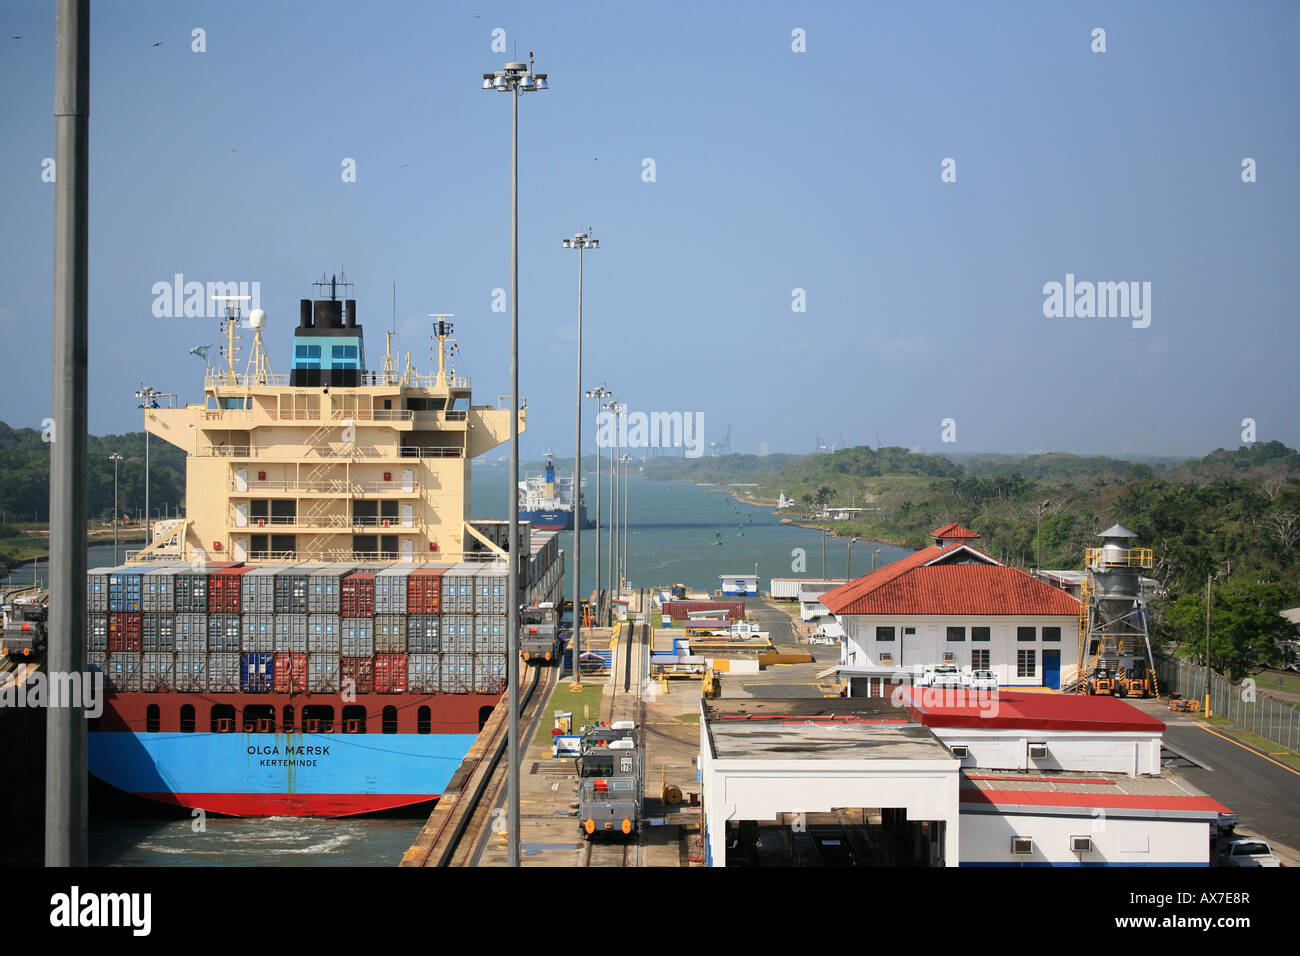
(125,629)
(679,610)
(424,591)
(390,672)
(357,595)
(223,590)
(290,673)
(359,670)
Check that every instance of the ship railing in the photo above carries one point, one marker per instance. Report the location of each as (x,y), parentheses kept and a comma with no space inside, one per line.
(391,415)
(219,378)
(223,451)
(431,451)
(382,521)
(291,521)
(334,486)
(277,556)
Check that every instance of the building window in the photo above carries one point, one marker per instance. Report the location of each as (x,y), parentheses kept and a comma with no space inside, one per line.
(1052,634)
(956,633)
(908,630)
(979,634)
(1026,663)
(1026,633)
(884,633)
(979,660)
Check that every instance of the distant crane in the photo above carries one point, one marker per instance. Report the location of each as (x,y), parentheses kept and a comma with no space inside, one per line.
(723,446)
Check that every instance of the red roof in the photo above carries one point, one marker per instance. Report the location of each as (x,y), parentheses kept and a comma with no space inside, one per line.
(914,585)
(1028,711)
(1107,801)
(953,530)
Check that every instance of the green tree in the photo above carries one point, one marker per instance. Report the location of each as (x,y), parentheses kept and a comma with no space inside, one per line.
(1245,627)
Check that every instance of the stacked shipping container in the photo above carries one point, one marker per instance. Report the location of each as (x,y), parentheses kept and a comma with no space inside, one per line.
(310,627)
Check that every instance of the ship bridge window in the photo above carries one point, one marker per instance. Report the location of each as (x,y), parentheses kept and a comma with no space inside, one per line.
(390,719)
(354,719)
(223,719)
(152,719)
(187,718)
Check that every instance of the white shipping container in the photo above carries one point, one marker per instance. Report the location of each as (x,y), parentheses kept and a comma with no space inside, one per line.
(290,633)
(424,673)
(323,634)
(157,671)
(191,672)
(223,672)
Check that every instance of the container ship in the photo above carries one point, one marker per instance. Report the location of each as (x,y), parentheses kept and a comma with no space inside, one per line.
(547,501)
(324,632)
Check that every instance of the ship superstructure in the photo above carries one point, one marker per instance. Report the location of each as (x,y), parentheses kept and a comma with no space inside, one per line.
(330,461)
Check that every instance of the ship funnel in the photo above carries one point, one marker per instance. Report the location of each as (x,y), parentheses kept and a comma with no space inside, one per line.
(351,306)
(329,314)
(304,313)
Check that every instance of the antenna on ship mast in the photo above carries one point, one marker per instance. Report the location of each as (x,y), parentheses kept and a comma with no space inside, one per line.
(442,330)
(232,323)
(259,364)
(333,283)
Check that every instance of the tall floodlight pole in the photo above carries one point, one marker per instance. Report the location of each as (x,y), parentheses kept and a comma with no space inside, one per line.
(627,460)
(65,743)
(514,79)
(848,560)
(148,399)
(599,392)
(611,407)
(115,458)
(582,242)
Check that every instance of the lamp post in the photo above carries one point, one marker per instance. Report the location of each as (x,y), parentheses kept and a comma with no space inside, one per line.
(848,560)
(823,554)
(626,459)
(115,458)
(148,399)
(582,241)
(875,554)
(514,79)
(1041,508)
(612,407)
(599,392)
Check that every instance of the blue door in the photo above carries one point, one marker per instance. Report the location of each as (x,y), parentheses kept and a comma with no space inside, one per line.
(1052,669)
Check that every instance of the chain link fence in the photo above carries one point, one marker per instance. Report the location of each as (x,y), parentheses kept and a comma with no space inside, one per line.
(1240,703)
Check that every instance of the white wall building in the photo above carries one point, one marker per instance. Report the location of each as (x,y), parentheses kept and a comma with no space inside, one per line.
(952,603)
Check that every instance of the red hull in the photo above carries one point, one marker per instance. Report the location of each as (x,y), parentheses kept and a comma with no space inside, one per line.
(291,804)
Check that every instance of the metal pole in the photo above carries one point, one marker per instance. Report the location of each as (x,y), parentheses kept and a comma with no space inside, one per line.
(625,476)
(116,459)
(848,561)
(512,623)
(599,593)
(1209,611)
(577,499)
(65,746)
(618,472)
(147,537)
(609,564)
(823,555)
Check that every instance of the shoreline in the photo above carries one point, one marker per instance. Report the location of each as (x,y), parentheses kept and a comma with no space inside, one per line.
(800,522)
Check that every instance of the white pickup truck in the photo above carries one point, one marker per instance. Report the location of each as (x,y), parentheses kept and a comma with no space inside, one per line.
(941,675)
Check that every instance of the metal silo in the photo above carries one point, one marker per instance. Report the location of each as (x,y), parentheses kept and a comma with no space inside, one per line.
(1114,646)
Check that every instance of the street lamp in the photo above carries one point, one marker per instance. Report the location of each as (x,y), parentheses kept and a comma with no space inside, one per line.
(622,578)
(875,554)
(612,407)
(848,560)
(514,79)
(149,399)
(599,392)
(115,458)
(582,241)
(1041,508)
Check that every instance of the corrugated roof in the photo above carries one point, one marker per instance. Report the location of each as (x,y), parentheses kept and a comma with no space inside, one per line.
(1020,710)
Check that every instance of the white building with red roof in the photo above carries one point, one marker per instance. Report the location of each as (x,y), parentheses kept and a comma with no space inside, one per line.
(953,603)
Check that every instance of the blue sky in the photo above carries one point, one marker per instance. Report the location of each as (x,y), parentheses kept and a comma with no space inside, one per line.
(775,170)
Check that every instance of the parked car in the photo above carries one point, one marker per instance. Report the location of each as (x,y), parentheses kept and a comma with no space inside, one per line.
(1249,853)
(944,676)
(982,680)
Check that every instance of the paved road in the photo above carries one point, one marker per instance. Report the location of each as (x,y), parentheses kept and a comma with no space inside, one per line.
(776,623)
(1266,795)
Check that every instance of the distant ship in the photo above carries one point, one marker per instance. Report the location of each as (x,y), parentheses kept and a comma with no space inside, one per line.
(547,501)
